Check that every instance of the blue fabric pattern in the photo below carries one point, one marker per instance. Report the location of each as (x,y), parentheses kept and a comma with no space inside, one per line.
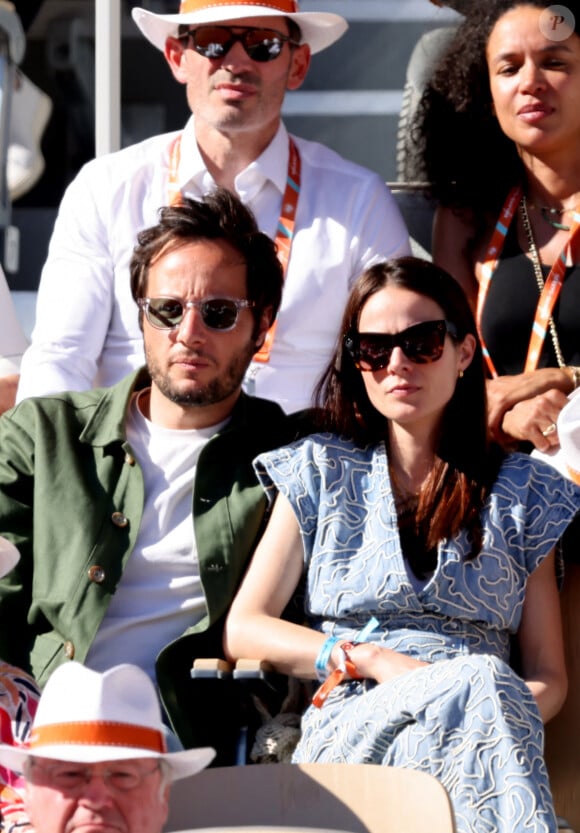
(466,717)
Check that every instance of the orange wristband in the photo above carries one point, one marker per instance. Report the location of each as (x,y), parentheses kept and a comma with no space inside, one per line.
(338,675)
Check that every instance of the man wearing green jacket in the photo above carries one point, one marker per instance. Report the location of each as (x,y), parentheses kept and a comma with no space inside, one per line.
(135,508)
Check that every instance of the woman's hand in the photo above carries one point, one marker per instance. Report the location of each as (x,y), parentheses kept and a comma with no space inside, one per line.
(521,407)
(374,662)
(531,419)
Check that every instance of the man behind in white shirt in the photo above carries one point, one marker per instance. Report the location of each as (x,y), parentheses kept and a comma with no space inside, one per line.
(136,508)
(236,61)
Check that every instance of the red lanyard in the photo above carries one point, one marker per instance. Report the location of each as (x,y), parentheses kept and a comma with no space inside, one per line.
(550,292)
(284,231)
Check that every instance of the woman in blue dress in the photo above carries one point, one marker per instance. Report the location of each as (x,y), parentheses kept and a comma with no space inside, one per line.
(426,554)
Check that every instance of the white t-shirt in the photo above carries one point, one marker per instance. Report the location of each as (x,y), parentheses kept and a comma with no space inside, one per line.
(160,594)
(87,331)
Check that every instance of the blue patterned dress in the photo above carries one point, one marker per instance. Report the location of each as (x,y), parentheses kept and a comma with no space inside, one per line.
(467,717)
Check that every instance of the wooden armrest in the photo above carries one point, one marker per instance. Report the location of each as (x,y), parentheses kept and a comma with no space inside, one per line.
(252,668)
(211,668)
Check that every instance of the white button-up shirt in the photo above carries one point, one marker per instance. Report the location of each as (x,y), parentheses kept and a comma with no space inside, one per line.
(86,331)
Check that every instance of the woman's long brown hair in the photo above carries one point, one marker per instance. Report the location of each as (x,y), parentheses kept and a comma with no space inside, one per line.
(467,463)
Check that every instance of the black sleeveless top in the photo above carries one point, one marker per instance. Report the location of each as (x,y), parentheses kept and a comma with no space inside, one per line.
(510,307)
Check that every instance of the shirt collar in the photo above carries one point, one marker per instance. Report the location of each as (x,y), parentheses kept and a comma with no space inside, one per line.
(270,166)
(273,162)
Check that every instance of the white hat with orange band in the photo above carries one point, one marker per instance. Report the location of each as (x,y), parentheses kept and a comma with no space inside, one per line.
(88,717)
(319,29)
(566,457)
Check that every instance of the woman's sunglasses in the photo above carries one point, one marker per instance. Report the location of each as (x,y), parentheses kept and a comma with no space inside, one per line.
(261,45)
(422,343)
(216,313)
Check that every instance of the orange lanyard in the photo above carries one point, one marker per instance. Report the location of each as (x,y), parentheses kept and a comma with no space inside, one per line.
(284,231)
(550,292)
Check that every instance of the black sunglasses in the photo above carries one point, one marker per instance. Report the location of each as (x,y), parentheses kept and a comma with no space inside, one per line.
(422,343)
(216,313)
(216,41)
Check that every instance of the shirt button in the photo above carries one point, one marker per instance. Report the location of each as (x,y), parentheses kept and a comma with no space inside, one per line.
(119,519)
(96,574)
(69,650)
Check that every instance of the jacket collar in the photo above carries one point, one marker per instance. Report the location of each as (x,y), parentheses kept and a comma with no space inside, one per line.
(108,423)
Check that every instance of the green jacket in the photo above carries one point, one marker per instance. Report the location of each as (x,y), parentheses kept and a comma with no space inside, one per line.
(71,499)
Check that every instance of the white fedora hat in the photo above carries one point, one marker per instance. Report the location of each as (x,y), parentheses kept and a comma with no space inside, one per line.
(566,457)
(87,717)
(319,29)
(9,556)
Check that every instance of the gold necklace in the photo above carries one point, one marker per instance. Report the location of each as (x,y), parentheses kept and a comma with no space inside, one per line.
(537,264)
(549,214)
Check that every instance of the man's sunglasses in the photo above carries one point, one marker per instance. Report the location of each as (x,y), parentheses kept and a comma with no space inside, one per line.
(422,343)
(216,41)
(216,313)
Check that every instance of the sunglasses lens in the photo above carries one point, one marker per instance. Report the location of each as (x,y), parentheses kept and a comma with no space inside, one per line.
(373,352)
(212,42)
(424,343)
(165,313)
(262,45)
(219,313)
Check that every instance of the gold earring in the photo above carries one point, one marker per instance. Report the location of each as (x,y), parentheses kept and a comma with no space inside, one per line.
(460,374)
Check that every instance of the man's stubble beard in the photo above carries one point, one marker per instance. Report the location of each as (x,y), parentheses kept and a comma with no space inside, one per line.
(214,392)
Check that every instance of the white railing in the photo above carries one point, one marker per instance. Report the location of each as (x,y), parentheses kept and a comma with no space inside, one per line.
(107,76)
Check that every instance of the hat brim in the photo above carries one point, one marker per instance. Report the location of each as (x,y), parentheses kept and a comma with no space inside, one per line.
(181,764)
(319,29)
(9,556)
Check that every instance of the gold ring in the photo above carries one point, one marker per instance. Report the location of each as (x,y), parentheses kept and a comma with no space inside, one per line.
(549,430)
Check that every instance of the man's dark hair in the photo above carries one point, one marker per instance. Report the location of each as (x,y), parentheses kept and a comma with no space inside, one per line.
(294,30)
(217,216)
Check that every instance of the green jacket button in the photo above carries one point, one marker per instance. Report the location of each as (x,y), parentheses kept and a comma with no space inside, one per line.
(119,519)
(96,574)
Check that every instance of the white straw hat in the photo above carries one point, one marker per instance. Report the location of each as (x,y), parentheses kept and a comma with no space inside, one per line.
(9,556)
(566,457)
(87,717)
(319,29)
